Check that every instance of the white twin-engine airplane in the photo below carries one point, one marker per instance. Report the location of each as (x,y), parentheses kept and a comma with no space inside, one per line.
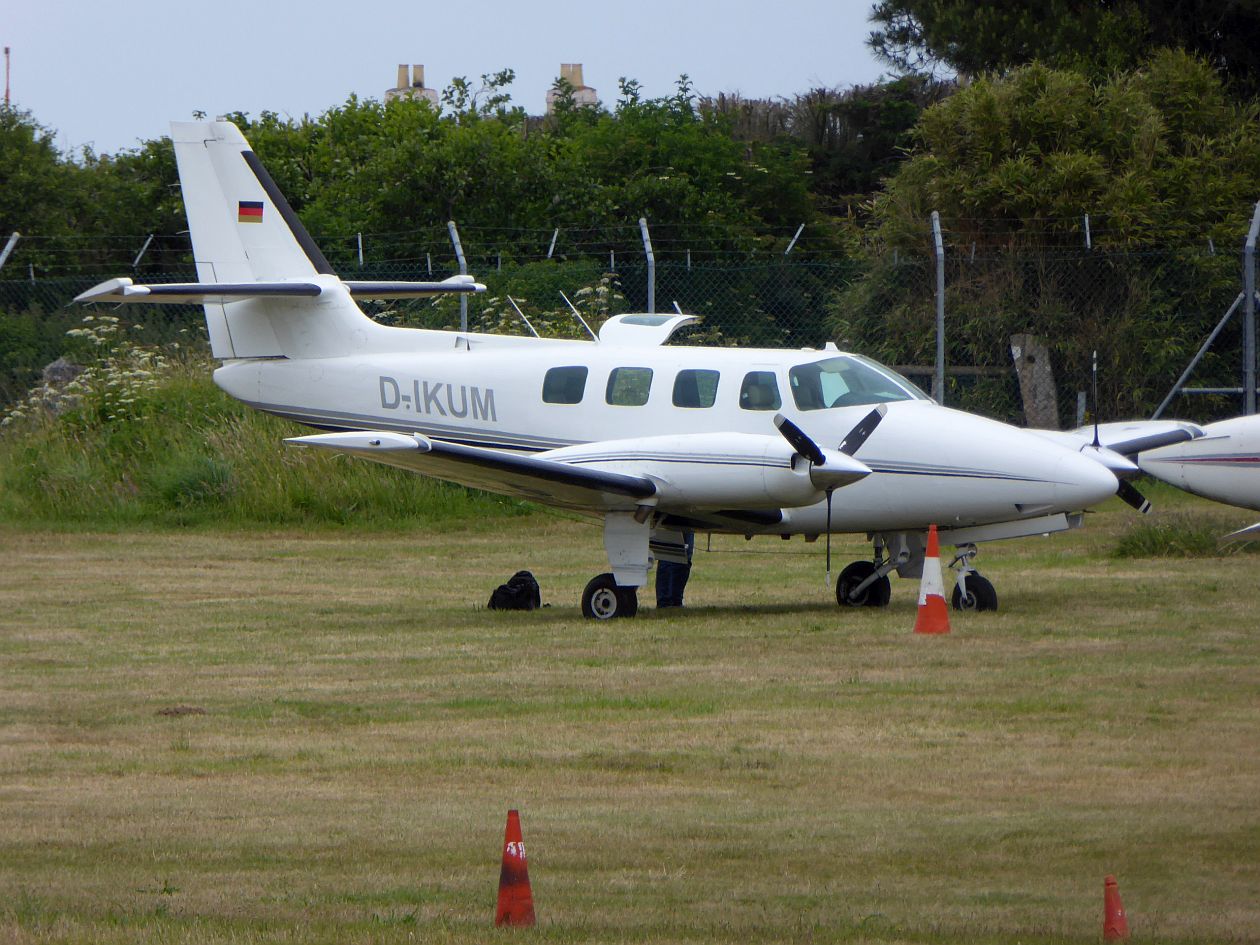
(656,440)
(1219,461)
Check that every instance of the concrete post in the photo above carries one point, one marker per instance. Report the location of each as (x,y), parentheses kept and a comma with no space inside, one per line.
(1036,381)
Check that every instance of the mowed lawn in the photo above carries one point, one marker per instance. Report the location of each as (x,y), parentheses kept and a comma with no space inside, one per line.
(259,736)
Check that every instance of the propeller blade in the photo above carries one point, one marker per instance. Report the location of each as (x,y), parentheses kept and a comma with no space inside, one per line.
(829,492)
(859,434)
(1131,496)
(799,440)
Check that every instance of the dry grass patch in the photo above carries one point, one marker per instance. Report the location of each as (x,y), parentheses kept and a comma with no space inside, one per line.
(760,766)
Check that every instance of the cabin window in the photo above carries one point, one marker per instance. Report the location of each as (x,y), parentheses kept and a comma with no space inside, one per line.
(694,388)
(564,385)
(847,382)
(629,386)
(760,391)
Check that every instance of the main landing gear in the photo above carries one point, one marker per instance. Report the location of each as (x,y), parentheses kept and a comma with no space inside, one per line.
(603,599)
(866,584)
(861,585)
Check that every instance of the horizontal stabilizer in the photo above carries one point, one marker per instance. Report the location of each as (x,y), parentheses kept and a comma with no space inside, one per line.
(411,290)
(177,293)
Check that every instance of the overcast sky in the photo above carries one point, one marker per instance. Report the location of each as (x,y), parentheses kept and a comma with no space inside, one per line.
(112,74)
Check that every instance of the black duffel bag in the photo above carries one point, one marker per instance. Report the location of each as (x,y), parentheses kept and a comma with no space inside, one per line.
(521,592)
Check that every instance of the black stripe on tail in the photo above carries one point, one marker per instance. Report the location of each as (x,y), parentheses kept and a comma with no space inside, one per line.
(290,217)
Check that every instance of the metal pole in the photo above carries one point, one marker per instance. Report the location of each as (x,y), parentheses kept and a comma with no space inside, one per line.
(552,248)
(799,230)
(143,249)
(612,260)
(8,247)
(1249,315)
(1197,358)
(940,308)
(360,235)
(1088,243)
(463,271)
(651,266)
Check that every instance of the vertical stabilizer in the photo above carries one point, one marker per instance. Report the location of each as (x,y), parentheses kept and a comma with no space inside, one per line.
(243,230)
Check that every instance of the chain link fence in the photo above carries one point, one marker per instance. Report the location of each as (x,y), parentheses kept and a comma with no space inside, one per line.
(1144,312)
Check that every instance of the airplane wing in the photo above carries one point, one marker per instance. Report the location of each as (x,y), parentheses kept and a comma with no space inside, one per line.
(197,293)
(1128,438)
(1250,533)
(529,477)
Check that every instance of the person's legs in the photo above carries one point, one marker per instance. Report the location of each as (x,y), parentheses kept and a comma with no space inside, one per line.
(672,576)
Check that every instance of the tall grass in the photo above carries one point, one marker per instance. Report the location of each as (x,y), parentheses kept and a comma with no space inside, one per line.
(183,453)
(1180,535)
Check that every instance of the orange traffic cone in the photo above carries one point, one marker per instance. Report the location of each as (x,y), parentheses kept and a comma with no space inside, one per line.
(1115,925)
(933,617)
(516,900)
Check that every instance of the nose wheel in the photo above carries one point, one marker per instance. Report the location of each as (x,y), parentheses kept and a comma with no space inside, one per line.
(603,599)
(973,591)
(979,594)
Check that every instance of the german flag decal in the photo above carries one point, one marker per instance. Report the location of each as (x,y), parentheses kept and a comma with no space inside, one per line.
(249,211)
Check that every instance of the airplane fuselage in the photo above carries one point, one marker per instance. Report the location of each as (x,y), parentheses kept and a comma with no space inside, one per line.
(929,464)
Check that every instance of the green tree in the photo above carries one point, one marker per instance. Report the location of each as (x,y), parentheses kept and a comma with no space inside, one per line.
(1161,158)
(1096,36)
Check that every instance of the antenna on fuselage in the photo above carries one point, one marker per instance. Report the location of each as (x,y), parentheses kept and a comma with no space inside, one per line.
(677,307)
(578,316)
(1094,372)
(523,318)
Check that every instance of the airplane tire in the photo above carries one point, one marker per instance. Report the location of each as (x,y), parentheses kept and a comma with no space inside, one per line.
(980,594)
(876,595)
(604,600)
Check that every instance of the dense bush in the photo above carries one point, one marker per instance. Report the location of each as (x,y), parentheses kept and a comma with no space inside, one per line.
(144,437)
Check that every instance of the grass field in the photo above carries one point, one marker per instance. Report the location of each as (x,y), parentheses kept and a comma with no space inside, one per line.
(265,736)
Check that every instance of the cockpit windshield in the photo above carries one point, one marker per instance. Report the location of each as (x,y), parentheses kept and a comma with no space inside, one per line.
(847,381)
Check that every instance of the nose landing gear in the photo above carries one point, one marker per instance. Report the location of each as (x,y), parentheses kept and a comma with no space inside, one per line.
(973,591)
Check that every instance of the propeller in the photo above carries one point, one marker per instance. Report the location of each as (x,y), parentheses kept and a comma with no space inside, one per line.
(1131,496)
(1122,466)
(829,476)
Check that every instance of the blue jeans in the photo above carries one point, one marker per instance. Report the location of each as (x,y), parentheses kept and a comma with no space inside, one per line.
(671,577)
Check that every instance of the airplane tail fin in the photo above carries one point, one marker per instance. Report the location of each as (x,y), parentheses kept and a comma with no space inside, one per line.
(241,226)
(242,231)
(267,289)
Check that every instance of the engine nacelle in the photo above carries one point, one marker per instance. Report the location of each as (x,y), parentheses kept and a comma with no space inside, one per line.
(718,470)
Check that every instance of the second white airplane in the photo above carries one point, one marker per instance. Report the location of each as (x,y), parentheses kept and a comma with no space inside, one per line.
(653,439)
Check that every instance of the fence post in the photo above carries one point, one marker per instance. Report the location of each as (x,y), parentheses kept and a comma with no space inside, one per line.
(800,229)
(8,247)
(143,249)
(463,271)
(552,248)
(651,266)
(1249,315)
(939,380)
(1194,362)
(360,236)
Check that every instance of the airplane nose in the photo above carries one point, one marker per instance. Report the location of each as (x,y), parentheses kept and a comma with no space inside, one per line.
(1082,482)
